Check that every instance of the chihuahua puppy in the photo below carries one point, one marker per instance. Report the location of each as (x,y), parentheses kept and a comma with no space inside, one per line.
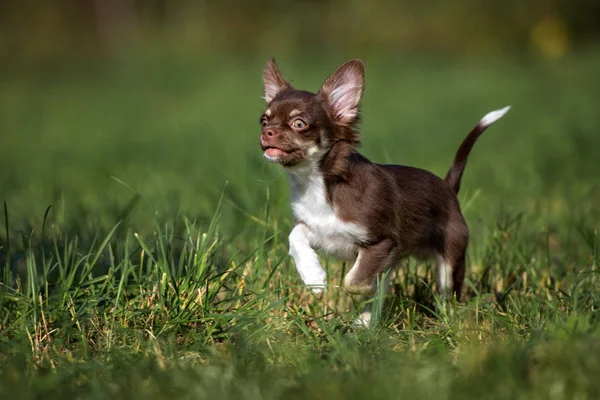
(370,214)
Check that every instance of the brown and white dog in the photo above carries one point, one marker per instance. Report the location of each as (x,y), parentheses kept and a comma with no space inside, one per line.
(374,215)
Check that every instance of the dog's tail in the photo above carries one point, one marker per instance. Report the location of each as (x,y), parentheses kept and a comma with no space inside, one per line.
(460,160)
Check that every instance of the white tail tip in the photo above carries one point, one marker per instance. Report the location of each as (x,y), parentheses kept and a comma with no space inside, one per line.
(493,116)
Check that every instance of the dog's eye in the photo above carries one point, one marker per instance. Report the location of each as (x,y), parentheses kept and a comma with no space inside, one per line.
(299,124)
(263,122)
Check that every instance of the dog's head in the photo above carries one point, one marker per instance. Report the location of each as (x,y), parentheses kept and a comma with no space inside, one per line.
(299,126)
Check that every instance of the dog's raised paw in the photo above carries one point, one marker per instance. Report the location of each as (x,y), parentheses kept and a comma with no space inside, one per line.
(317,288)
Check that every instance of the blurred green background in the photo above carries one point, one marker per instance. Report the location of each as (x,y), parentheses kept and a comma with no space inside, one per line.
(144,110)
(147,113)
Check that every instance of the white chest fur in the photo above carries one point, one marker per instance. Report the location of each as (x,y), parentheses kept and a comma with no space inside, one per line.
(310,205)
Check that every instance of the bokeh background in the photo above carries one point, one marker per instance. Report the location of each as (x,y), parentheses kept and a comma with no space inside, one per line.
(147,110)
(143,237)
(35,30)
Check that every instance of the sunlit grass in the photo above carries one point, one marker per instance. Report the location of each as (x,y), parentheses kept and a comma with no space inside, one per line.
(145,254)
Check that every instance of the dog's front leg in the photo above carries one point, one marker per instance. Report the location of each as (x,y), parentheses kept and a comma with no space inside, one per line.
(306,259)
(372,262)
(374,305)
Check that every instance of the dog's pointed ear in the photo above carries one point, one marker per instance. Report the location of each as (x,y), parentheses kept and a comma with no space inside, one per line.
(273,81)
(342,91)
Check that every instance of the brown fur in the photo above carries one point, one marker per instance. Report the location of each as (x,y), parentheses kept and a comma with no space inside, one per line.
(406,211)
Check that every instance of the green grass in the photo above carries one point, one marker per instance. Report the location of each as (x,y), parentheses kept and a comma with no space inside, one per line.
(145,246)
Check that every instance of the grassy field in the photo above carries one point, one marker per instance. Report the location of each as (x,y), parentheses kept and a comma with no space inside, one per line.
(145,238)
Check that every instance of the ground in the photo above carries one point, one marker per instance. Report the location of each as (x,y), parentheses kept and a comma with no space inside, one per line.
(147,237)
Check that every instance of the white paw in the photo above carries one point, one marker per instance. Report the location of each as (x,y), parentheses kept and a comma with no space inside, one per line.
(317,289)
(363,320)
(314,277)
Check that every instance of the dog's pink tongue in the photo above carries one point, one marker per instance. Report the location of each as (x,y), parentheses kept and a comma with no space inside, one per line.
(273,152)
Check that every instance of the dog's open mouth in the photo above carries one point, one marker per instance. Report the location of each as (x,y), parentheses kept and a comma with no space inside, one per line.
(285,157)
(275,152)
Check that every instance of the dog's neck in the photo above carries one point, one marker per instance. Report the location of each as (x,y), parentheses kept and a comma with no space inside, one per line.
(330,166)
(337,161)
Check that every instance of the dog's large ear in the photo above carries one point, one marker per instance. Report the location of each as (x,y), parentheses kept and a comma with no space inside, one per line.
(342,91)
(273,81)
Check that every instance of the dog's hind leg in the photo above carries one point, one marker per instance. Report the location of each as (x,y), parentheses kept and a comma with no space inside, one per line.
(451,268)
